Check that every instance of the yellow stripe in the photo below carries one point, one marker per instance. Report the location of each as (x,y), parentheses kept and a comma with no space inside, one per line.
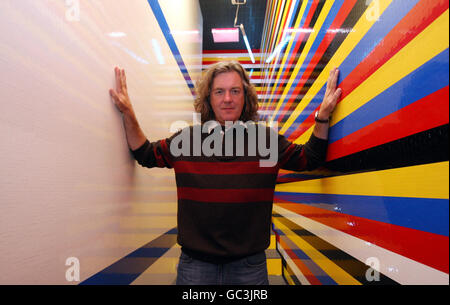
(430,42)
(338,274)
(274,266)
(273,242)
(288,49)
(420,181)
(359,31)
(323,14)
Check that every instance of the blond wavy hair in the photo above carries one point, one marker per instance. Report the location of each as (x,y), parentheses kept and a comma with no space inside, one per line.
(202,102)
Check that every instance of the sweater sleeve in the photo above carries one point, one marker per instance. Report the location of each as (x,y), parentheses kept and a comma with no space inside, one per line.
(298,157)
(154,154)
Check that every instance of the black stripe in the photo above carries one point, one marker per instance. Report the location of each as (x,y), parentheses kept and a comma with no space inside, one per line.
(425,147)
(243,181)
(223,205)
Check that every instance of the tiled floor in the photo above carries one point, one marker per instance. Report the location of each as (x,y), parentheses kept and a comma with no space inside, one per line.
(156,262)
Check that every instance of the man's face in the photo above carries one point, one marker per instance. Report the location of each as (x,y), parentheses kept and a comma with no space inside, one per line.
(227,96)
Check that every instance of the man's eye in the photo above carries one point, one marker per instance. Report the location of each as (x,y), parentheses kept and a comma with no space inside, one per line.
(217,92)
(236,91)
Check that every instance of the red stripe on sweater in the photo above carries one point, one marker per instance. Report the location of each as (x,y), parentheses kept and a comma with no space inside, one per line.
(166,153)
(226,195)
(287,154)
(159,160)
(223,168)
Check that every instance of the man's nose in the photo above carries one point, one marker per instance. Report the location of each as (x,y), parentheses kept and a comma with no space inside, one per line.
(227,97)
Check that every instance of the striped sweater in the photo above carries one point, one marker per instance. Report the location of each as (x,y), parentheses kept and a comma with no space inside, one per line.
(225,202)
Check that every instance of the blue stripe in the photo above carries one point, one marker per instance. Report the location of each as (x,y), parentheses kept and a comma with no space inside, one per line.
(319,39)
(425,80)
(148,252)
(424,214)
(159,15)
(127,269)
(388,20)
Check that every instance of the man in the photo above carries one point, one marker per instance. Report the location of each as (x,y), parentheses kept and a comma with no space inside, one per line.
(225,200)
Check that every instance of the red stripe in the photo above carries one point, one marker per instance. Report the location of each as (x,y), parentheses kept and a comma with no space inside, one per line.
(223,168)
(159,160)
(286,180)
(226,195)
(424,247)
(288,153)
(328,38)
(302,161)
(426,113)
(409,27)
(166,152)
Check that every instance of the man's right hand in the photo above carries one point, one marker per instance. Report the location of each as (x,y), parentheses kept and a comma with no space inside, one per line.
(134,133)
(120,95)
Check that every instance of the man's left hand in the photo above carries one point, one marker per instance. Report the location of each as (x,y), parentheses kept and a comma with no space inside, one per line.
(331,96)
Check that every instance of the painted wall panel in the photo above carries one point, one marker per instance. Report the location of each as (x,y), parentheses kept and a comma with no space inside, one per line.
(382,198)
(69,186)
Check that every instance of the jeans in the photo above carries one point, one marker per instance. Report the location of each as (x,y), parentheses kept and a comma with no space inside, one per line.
(250,270)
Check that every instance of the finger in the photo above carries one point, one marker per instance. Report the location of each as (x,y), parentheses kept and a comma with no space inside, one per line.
(329,79)
(333,81)
(118,82)
(121,79)
(336,75)
(329,82)
(113,94)
(124,80)
(336,95)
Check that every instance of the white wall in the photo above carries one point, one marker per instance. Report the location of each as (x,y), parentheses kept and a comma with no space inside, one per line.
(68,186)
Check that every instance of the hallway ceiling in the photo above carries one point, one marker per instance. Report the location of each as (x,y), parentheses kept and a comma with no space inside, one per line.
(221,14)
